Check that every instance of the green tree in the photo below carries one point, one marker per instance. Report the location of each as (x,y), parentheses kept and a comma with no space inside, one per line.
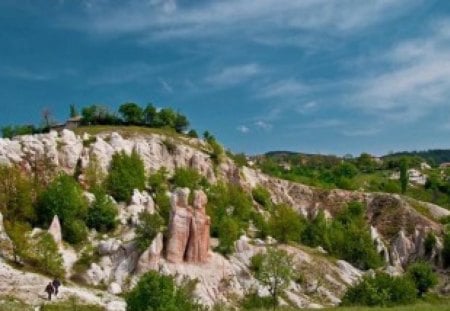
(192,133)
(73,111)
(262,196)
(285,224)
(17,233)
(16,195)
(429,243)
(316,232)
(131,113)
(102,215)
(421,273)
(228,233)
(126,173)
(404,176)
(64,197)
(147,229)
(181,123)
(274,269)
(159,292)
(150,114)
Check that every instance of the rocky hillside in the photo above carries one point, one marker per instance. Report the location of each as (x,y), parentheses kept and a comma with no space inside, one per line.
(399,226)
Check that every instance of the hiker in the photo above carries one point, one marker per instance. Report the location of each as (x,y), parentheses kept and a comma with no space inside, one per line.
(56,284)
(50,290)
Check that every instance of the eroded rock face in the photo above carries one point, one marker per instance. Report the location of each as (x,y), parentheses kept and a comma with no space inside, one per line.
(55,230)
(149,259)
(188,228)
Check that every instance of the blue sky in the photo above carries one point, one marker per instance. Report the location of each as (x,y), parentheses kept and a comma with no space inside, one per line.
(310,75)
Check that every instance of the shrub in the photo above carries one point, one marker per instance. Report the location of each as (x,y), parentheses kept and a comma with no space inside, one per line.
(285,224)
(262,196)
(429,243)
(127,173)
(381,290)
(252,301)
(187,178)
(446,250)
(228,233)
(149,226)
(421,273)
(43,254)
(64,197)
(17,233)
(316,232)
(159,292)
(159,180)
(102,215)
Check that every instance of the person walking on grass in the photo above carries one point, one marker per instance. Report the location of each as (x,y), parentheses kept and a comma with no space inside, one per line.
(49,290)
(56,284)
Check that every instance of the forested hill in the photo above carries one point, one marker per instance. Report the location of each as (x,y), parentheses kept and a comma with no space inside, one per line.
(435,156)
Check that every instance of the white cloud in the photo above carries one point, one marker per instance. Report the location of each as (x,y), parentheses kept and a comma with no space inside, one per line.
(285,88)
(234,74)
(160,19)
(26,74)
(416,78)
(243,129)
(263,125)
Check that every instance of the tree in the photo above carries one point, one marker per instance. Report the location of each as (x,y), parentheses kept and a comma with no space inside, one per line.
(421,273)
(150,114)
(102,215)
(159,292)
(285,224)
(274,269)
(429,243)
(73,111)
(187,178)
(131,113)
(126,173)
(181,123)
(262,196)
(316,232)
(192,133)
(64,197)
(147,229)
(404,176)
(46,116)
(228,233)
(17,233)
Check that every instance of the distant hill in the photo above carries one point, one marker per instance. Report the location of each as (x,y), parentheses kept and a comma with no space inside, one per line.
(435,156)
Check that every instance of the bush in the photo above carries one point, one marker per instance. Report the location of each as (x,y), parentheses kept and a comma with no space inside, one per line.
(149,226)
(43,255)
(421,273)
(381,290)
(102,215)
(316,232)
(64,197)
(286,224)
(262,196)
(228,233)
(187,178)
(446,250)
(126,173)
(252,301)
(159,292)
(429,243)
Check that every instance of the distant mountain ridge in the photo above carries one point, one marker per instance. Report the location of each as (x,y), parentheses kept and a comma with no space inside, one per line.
(433,156)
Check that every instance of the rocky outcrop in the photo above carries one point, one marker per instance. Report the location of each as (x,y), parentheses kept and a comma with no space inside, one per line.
(149,259)
(188,228)
(6,245)
(65,151)
(55,230)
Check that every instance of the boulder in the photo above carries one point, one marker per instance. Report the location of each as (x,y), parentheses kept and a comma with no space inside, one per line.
(55,230)
(188,228)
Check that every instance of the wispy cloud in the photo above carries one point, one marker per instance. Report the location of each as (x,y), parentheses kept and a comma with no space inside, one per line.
(26,74)
(161,19)
(166,86)
(234,74)
(285,88)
